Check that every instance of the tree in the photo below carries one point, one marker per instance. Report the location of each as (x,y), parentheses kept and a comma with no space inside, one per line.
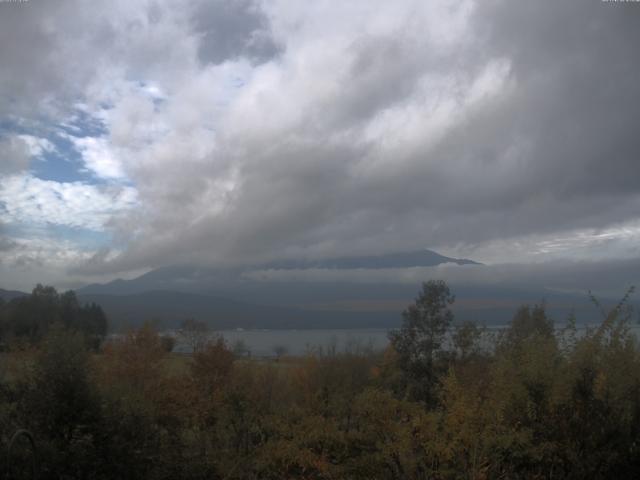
(168,343)
(418,343)
(526,323)
(466,340)
(135,360)
(280,351)
(194,333)
(32,316)
(240,348)
(212,365)
(62,405)
(94,323)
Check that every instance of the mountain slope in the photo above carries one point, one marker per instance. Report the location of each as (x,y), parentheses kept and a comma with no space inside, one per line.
(422,258)
(226,281)
(7,295)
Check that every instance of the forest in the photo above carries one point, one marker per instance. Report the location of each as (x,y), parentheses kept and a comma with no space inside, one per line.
(444,401)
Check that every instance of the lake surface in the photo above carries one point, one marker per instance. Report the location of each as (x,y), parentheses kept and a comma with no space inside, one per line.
(263,343)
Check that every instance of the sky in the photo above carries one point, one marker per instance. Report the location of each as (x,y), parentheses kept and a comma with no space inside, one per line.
(137,135)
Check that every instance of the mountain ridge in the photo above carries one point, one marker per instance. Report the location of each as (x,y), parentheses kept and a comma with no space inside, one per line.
(7,295)
(198,279)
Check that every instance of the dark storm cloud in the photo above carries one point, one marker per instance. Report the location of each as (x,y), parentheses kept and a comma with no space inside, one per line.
(556,150)
(230,29)
(577,96)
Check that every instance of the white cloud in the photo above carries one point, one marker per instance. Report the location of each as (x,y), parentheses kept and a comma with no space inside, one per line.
(99,157)
(37,145)
(616,241)
(25,199)
(47,260)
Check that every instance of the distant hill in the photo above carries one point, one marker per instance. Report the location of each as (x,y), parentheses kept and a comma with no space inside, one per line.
(11,294)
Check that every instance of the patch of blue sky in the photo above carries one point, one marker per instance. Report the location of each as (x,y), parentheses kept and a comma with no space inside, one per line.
(82,124)
(89,239)
(6,125)
(11,126)
(64,164)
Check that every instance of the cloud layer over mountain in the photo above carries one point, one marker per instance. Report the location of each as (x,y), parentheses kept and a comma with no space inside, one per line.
(142,134)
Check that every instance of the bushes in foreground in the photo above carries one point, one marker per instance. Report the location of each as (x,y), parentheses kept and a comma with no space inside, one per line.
(439,403)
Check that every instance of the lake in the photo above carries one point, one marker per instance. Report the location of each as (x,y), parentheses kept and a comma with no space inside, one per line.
(263,343)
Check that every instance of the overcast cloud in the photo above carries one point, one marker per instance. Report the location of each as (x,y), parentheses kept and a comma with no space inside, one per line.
(243,131)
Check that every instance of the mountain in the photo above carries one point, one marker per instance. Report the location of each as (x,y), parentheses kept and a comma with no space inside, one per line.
(242,297)
(226,281)
(227,298)
(259,296)
(422,258)
(7,295)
